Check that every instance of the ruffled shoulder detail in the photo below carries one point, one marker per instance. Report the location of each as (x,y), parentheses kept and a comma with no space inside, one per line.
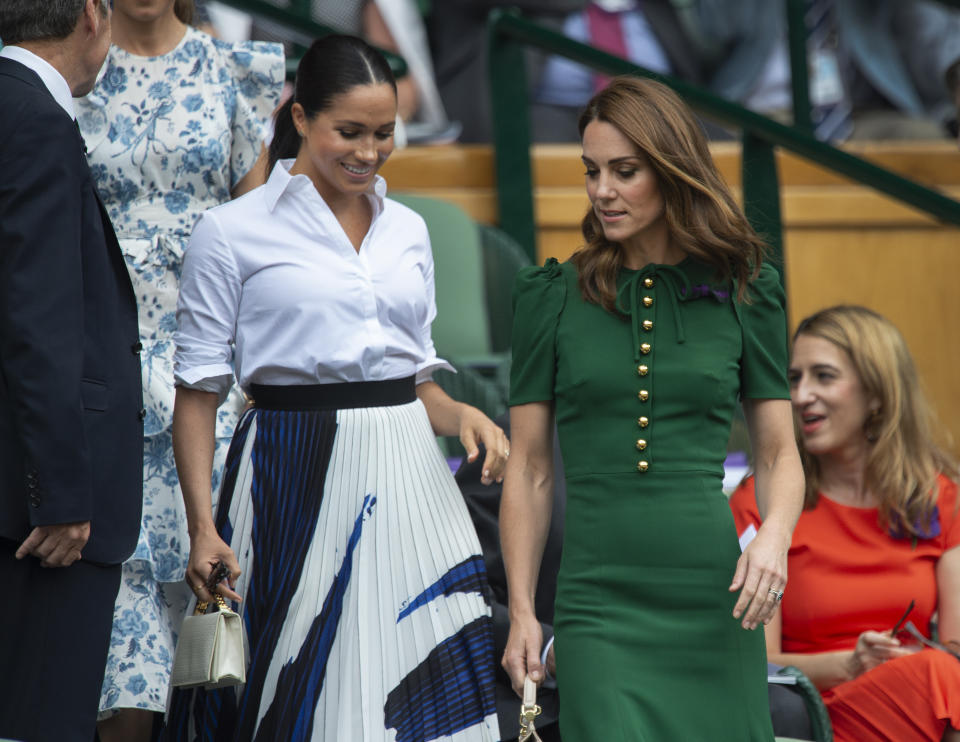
(254,71)
(257,71)
(540,288)
(539,295)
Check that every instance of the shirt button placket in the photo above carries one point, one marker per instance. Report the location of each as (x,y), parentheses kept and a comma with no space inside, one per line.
(644,373)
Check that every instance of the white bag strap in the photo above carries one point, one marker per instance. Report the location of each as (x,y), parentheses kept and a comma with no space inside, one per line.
(528,712)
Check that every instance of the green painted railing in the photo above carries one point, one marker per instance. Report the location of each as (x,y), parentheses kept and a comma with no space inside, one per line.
(509,33)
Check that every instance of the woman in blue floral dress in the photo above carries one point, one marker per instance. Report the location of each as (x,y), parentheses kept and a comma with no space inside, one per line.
(174,126)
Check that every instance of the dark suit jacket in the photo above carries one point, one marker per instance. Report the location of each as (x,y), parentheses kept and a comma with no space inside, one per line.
(71,430)
(483,502)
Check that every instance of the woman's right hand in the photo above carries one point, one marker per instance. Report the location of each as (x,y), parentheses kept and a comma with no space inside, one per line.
(522,655)
(873,649)
(206,549)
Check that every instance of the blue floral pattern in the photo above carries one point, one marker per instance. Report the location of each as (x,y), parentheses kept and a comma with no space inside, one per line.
(168,137)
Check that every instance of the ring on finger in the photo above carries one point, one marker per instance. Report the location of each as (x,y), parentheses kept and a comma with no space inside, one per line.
(777,594)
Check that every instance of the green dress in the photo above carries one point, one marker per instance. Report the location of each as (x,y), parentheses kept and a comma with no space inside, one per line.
(647,649)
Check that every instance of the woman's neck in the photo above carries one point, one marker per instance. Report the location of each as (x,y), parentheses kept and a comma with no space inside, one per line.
(843,477)
(651,246)
(150,38)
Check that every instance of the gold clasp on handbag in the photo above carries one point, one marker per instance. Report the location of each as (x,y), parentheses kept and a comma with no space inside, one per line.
(204,605)
(529,711)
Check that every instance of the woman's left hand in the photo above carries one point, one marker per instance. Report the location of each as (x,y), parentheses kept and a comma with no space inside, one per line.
(476,428)
(761,576)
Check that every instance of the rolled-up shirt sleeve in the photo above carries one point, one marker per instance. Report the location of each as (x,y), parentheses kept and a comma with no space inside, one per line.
(210,288)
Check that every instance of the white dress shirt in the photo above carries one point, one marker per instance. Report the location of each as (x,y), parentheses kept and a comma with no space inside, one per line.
(48,74)
(273,289)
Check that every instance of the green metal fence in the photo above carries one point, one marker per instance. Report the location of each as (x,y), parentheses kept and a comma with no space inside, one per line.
(509,33)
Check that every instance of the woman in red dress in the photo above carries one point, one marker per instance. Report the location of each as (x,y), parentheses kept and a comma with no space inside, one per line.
(878,534)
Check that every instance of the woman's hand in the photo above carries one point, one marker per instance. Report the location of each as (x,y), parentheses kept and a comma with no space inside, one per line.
(762,574)
(476,428)
(873,649)
(206,549)
(522,654)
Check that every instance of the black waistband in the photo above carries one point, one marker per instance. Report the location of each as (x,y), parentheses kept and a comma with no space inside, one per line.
(342,396)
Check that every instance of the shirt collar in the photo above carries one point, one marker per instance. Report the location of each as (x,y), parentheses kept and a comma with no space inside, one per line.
(51,78)
(280,181)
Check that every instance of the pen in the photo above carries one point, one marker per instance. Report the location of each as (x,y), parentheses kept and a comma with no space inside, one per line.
(899,624)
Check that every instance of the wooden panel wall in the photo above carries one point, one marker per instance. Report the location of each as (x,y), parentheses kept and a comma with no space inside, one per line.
(843,243)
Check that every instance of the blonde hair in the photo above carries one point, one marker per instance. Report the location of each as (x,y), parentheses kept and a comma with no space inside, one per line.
(702,217)
(906,452)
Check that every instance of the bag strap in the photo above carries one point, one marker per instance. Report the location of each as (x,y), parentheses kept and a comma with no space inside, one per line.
(528,712)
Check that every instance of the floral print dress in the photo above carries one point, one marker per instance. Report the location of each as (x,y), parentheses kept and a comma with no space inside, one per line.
(168,137)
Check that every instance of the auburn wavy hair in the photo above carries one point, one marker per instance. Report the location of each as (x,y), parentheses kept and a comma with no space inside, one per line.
(702,217)
(908,448)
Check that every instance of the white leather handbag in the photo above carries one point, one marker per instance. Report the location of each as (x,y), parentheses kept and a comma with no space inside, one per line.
(211,649)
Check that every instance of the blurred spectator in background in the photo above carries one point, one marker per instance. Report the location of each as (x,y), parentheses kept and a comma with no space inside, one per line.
(175,125)
(458,40)
(393,25)
(736,51)
(878,70)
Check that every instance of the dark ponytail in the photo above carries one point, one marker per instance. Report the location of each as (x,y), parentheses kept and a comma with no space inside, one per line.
(286,140)
(331,66)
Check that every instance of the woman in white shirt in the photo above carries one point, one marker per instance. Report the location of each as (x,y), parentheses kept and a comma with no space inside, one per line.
(345,535)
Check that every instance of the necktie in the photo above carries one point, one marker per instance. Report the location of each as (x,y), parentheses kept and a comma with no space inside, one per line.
(605,33)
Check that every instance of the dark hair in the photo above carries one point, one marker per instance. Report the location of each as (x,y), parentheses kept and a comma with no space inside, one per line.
(184,10)
(332,65)
(701,214)
(38,20)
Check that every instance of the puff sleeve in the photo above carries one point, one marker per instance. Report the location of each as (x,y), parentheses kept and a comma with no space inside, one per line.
(538,298)
(763,364)
(256,71)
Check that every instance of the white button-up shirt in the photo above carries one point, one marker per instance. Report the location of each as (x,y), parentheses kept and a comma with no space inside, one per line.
(273,289)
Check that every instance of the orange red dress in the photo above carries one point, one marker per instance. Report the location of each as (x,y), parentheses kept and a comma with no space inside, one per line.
(848,575)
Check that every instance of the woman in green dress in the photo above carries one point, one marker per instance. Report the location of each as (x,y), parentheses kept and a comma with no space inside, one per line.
(639,348)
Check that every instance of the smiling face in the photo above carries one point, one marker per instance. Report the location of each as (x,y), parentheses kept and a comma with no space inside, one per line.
(622,186)
(343,147)
(829,401)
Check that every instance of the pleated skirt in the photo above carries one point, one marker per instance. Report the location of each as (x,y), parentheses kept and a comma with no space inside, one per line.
(363,586)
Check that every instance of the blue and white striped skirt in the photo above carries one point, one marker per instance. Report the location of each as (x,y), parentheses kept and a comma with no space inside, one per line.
(362,581)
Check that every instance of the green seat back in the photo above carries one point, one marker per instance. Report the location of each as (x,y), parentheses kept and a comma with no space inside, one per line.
(461,329)
(502,258)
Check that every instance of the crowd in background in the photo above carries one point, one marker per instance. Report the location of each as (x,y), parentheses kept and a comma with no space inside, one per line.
(204,265)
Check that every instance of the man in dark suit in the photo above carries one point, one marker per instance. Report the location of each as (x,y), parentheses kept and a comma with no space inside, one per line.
(71,435)
(483,502)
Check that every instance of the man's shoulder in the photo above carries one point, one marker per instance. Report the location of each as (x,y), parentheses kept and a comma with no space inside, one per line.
(24,96)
